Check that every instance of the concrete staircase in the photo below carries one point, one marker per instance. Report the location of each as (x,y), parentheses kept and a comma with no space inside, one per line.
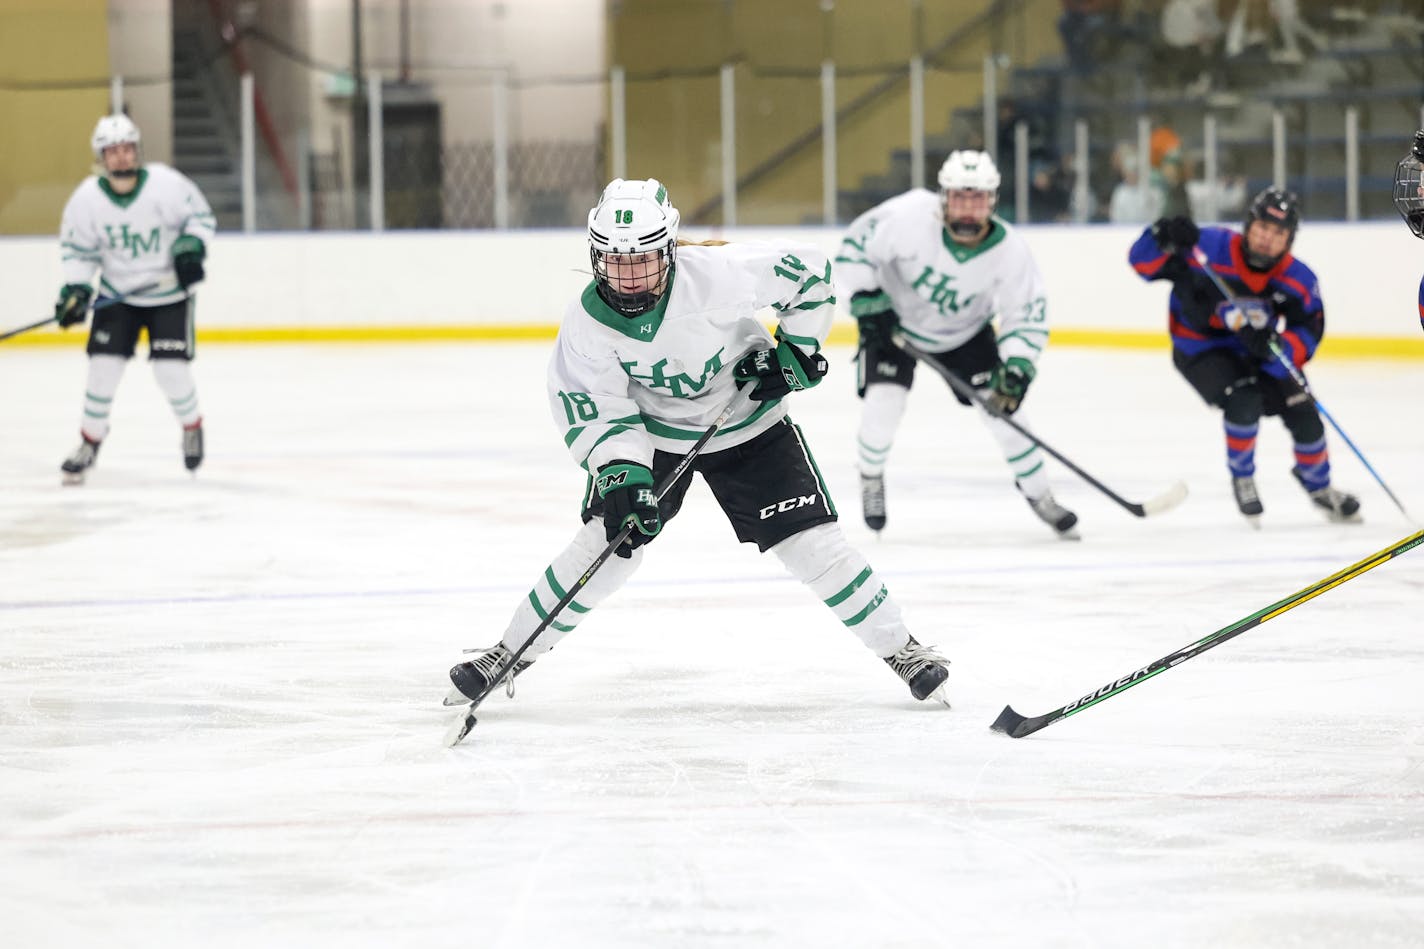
(205,129)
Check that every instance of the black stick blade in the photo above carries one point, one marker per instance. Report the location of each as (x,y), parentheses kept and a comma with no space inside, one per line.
(1014,725)
(460,727)
(1008,722)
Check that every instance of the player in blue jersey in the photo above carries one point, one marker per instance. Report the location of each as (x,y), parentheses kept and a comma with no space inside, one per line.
(1409,197)
(1227,349)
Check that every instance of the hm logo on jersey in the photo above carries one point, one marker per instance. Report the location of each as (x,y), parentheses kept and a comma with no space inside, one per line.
(132,242)
(679,385)
(790,504)
(940,293)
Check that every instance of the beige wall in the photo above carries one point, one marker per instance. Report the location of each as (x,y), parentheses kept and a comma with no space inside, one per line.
(141,51)
(44,151)
(675,124)
(458,46)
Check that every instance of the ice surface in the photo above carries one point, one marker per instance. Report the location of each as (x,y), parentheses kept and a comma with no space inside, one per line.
(220,719)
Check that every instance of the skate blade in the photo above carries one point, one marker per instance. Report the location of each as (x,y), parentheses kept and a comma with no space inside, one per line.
(455,697)
(1254,520)
(1070,534)
(939,695)
(73,479)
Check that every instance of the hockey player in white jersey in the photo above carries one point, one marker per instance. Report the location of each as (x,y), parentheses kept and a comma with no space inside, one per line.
(932,271)
(142,229)
(646,359)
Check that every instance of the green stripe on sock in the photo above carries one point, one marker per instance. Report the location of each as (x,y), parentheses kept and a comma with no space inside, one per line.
(850,588)
(534,601)
(559,591)
(870,607)
(1023,454)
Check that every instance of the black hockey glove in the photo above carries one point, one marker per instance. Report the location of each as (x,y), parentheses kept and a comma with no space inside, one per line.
(1009,383)
(73,304)
(776,372)
(628,500)
(188,254)
(877,321)
(1176,235)
(1260,342)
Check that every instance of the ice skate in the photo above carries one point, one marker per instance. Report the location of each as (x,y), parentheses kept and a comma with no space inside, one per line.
(922,669)
(472,678)
(76,465)
(1340,507)
(1247,500)
(193,446)
(872,501)
(1055,515)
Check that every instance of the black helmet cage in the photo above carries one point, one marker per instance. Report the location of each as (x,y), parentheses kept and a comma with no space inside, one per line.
(1409,186)
(655,272)
(1279,207)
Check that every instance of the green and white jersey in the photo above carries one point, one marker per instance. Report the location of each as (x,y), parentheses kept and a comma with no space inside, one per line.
(943,292)
(129,237)
(621,386)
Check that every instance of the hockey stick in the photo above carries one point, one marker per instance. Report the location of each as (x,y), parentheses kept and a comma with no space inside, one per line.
(1163,502)
(462,726)
(99,304)
(1014,725)
(1299,379)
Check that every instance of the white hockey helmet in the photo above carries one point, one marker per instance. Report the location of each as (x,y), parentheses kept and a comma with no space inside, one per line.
(634,227)
(113,130)
(968,170)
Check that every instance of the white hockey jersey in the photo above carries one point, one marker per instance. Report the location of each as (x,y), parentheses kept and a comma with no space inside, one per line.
(129,237)
(621,386)
(943,292)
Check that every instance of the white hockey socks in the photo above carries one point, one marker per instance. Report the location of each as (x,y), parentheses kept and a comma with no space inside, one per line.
(102,382)
(175,378)
(822,559)
(880,414)
(565,570)
(1023,455)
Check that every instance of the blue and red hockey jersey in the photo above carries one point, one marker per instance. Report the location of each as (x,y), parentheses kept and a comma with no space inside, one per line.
(1290,290)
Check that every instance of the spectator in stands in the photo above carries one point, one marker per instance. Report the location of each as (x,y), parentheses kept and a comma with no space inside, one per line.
(1192,30)
(1131,203)
(1090,29)
(1049,191)
(1220,200)
(1252,22)
(1169,174)
(1248,26)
